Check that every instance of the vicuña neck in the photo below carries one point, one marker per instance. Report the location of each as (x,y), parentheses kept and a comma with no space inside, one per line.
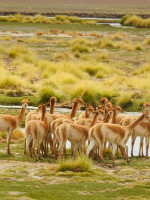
(94,119)
(43,113)
(136,122)
(86,114)
(52,107)
(107,118)
(114,117)
(74,110)
(21,115)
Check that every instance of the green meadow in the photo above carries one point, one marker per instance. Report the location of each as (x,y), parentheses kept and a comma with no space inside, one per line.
(39,60)
(79,178)
(66,60)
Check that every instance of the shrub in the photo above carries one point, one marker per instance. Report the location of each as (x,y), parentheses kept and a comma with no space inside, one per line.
(107,43)
(40,33)
(17,50)
(18,134)
(138,47)
(136,21)
(81,48)
(20,40)
(10,82)
(99,75)
(91,70)
(104,55)
(3,135)
(91,22)
(125,100)
(77,54)
(147,41)
(54,31)
(88,90)
(7,38)
(79,164)
(45,93)
(124,18)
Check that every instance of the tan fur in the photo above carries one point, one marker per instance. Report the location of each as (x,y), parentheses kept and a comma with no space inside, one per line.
(77,103)
(8,122)
(53,101)
(114,134)
(142,130)
(75,133)
(36,131)
(146,107)
(87,122)
(88,113)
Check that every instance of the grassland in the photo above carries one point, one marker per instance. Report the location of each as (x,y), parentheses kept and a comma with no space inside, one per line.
(83,8)
(23,180)
(56,59)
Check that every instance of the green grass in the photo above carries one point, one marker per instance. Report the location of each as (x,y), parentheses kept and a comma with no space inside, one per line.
(79,164)
(42,180)
(28,27)
(91,64)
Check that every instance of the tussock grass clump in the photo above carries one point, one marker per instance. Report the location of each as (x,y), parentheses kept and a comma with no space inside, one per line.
(80,48)
(88,90)
(54,31)
(10,82)
(58,19)
(17,50)
(3,135)
(138,47)
(37,40)
(77,54)
(144,69)
(147,41)
(136,21)
(102,56)
(39,33)
(118,36)
(91,70)
(63,56)
(125,100)
(91,22)
(79,164)
(18,134)
(107,43)
(46,92)
(20,40)
(19,53)
(7,38)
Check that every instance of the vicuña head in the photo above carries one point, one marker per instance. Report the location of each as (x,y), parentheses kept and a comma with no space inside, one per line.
(146,107)
(101,113)
(39,109)
(103,100)
(89,109)
(53,100)
(80,102)
(25,103)
(117,109)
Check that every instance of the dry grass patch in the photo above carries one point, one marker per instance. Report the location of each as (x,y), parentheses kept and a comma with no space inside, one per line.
(79,164)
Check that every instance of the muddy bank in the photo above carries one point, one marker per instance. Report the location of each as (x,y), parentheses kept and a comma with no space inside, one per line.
(78,14)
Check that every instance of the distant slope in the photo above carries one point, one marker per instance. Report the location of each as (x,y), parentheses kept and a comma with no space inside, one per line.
(95,8)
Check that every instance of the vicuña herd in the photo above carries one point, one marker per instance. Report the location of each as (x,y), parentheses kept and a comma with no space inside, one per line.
(104,125)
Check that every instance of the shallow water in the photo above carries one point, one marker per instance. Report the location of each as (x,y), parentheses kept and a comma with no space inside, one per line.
(118,25)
